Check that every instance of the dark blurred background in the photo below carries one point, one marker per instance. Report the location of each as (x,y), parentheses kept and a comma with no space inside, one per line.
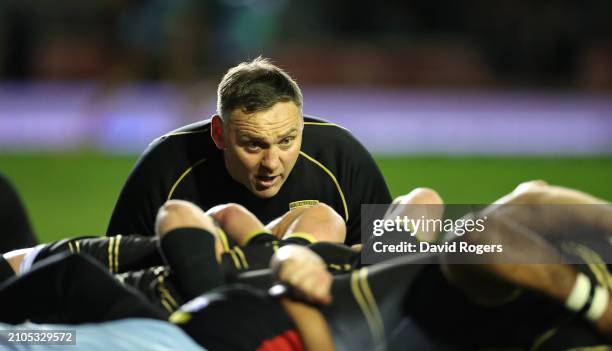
(561,44)
(468,97)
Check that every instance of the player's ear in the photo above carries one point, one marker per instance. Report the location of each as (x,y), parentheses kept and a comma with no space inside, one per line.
(216,131)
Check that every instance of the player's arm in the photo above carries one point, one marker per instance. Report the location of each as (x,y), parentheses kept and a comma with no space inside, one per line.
(551,210)
(421,202)
(118,253)
(540,192)
(529,262)
(140,197)
(363,183)
(304,271)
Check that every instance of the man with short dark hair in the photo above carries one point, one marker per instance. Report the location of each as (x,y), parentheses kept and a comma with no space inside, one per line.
(258,151)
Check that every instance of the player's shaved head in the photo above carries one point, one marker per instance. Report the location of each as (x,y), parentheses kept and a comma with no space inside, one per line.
(255,86)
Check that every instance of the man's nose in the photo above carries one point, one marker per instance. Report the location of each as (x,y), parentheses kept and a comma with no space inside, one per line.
(271,159)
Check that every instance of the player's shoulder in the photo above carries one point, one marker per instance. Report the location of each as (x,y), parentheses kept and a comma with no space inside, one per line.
(318,131)
(193,129)
(193,140)
(191,135)
(318,124)
(310,120)
(331,144)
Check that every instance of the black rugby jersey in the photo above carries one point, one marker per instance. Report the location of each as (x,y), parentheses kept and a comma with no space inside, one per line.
(332,168)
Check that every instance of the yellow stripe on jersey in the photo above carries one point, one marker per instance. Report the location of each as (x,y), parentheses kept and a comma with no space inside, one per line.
(335,266)
(235,259)
(183,175)
(179,133)
(308,237)
(180,317)
(369,296)
(363,305)
(111,240)
(542,339)
(242,257)
(70,246)
(184,133)
(117,253)
(166,305)
(162,288)
(224,241)
(331,175)
(252,235)
(321,124)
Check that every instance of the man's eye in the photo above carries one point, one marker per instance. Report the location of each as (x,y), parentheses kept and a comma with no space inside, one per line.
(252,147)
(286,141)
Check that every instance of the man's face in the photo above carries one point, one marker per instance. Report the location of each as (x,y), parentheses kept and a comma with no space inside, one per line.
(261,148)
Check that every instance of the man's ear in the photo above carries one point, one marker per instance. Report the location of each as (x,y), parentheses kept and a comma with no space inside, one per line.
(216,132)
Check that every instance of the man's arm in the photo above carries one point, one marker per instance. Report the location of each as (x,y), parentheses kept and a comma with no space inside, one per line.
(364,184)
(305,272)
(118,253)
(495,276)
(141,196)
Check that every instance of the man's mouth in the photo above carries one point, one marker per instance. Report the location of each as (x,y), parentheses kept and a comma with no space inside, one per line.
(266,181)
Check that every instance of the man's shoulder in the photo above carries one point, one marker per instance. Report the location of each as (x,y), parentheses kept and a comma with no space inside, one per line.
(190,142)
(315,120)
(193,129)
(332,145)
(319,131)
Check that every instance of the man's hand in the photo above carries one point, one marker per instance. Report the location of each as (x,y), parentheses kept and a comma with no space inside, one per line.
(304,271)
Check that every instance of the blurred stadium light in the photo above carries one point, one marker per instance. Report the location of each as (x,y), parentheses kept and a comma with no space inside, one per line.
(64,116)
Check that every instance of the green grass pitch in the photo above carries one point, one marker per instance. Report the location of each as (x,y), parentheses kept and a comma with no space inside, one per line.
(70,194)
